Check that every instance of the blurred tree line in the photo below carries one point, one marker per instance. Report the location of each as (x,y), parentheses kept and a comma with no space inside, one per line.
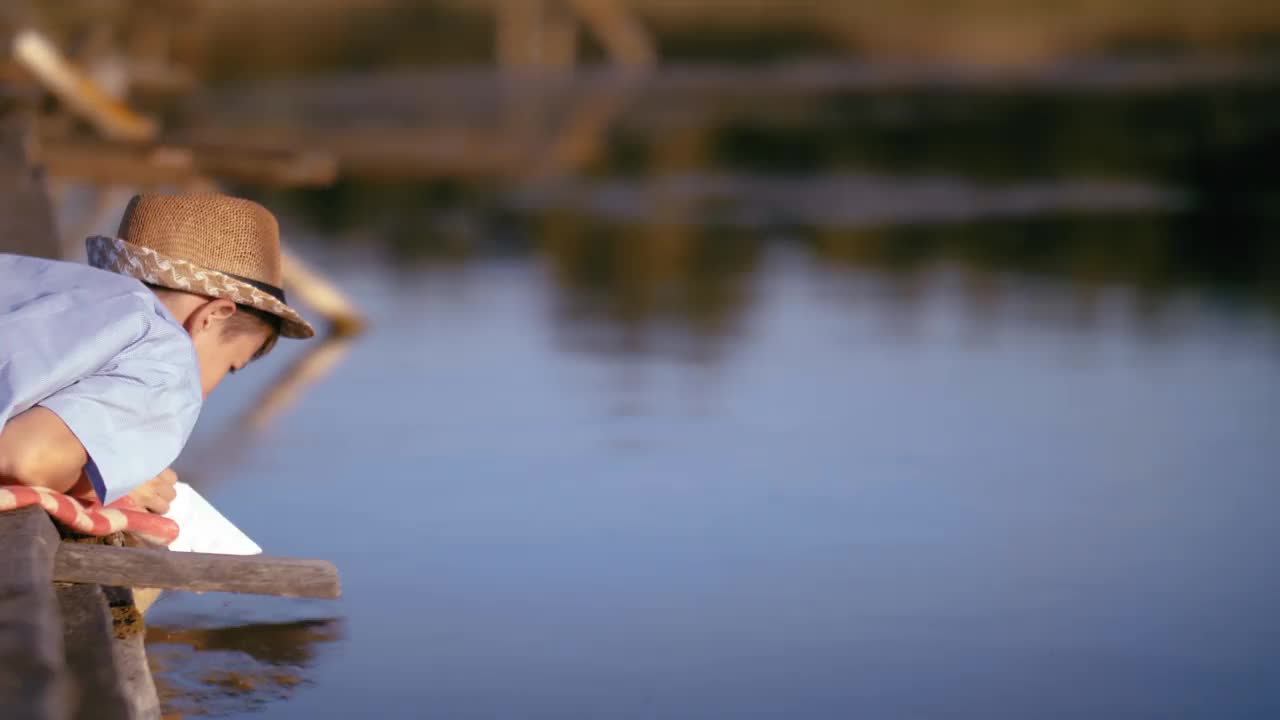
(690,269)
(226,40)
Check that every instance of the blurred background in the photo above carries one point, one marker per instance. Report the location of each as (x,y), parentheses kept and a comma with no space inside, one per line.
(718,358)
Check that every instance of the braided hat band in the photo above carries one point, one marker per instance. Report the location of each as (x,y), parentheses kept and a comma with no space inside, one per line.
(152,267)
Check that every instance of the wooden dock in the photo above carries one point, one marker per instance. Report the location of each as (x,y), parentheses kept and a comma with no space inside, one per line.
(71,636)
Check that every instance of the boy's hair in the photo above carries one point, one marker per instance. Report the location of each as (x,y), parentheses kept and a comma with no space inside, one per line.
(246,320)
(249,320)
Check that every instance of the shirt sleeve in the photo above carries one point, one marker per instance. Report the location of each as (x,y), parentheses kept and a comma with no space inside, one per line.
(134,414)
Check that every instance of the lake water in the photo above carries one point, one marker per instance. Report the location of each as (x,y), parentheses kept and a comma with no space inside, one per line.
(1015,457)
(852,508)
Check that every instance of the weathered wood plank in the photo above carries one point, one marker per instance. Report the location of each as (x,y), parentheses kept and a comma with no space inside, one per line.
(32,673)
(96,688)
(197,572)
(130,654)
(139,686)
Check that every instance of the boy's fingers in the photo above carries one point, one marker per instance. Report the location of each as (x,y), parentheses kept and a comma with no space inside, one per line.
(166,493)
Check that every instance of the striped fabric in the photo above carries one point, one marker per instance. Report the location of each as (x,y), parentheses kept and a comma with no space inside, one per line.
(91,519)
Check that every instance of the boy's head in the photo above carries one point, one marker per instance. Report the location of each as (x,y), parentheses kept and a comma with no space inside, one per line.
(215,262)
(226,336)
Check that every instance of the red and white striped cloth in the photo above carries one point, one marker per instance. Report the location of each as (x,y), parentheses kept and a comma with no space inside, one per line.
(122,515)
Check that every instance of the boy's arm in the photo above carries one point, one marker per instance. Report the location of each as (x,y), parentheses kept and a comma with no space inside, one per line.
(38,449)
(112,391)
(132,418)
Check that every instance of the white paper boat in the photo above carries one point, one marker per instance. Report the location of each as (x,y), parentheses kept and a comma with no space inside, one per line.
(201,528)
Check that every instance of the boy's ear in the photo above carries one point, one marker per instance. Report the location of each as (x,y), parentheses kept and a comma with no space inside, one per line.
(209,316)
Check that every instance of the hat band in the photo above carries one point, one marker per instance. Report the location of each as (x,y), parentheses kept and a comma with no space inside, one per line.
(268,288)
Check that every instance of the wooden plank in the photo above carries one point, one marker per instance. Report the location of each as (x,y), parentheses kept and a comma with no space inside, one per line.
(88,638)
(197,572)
(32,671)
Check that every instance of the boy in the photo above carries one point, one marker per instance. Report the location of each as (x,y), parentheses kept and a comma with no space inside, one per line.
(103,369)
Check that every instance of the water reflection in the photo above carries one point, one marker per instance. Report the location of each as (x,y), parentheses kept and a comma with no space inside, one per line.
(1088,175)
(312,366)
(824,522)
(979,422)
(631,294)
(645,288)
(235,669)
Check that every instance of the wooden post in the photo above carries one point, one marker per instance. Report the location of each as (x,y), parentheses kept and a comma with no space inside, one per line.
(32,672)
(141,698)
(99,689)
(130,653)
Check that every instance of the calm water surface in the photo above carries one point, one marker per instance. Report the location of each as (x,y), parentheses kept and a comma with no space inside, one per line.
(852,502)
(919,403)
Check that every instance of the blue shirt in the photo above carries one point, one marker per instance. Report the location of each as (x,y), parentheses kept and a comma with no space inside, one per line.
(102,352)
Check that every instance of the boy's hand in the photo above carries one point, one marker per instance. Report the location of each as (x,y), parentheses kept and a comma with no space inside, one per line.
(156,494)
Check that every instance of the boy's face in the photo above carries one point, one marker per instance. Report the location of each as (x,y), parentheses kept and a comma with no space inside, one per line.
(220,353)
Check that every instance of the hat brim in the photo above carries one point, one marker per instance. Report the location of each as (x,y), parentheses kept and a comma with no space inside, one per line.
(149,266)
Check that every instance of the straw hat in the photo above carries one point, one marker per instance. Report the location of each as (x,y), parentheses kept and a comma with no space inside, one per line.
(203,243)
